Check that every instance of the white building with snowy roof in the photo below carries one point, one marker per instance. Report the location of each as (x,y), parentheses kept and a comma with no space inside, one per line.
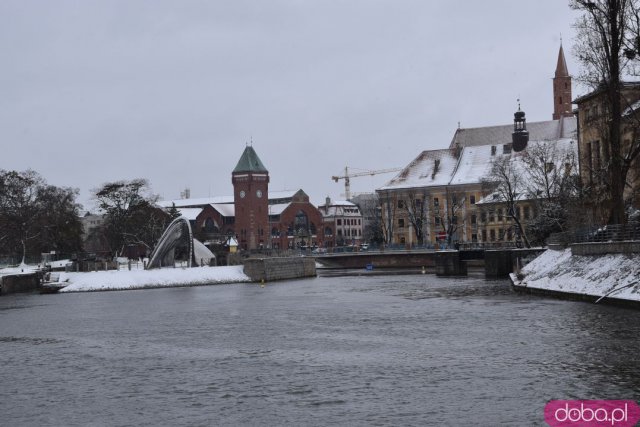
(433,200)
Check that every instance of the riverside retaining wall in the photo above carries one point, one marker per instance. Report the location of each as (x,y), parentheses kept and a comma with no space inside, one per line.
(270,269)
(603,248)
(14,283)
(448,263)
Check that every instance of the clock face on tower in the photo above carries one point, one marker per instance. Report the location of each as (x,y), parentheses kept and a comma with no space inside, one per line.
(259,193)
(242,194)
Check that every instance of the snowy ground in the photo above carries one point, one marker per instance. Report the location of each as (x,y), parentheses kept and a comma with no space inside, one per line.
(614,275)
(140,279)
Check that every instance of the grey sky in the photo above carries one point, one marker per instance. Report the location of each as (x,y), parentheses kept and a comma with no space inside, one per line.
(96,91)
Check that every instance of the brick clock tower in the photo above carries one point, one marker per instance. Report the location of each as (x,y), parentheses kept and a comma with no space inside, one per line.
(562,89)
(250,197)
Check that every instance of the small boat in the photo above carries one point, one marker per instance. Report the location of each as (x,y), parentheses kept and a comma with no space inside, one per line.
(52,284)
(52,287)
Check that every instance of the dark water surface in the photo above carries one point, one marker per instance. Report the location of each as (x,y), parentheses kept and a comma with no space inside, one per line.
(383,350)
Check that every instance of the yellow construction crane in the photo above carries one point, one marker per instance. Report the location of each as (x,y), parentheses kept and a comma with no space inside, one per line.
(347,176)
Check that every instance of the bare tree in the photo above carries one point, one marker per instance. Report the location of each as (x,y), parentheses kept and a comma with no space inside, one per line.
(131,217)
(509,187)
(449,213)
(606,34)
(35,216)
(415,206)
(388,204)
(553,183)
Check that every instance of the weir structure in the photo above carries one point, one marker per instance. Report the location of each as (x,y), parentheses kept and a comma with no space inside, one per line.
(177,242)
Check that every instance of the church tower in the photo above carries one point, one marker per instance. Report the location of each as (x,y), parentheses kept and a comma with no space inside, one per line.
(561,89)
(250,197)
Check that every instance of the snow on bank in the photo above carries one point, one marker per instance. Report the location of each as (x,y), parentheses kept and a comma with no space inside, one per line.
(140,279)
(21,269)
(615,275)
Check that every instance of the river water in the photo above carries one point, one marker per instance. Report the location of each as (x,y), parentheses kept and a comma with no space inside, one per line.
(369,350)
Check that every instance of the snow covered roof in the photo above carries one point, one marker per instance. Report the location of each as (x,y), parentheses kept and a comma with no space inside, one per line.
(190,213)
(431,168)
(225,209)
(341,203)
(282,194)
(565,127)
(474,164)
(277,209)
(185,203)
(203,201)
(562,145)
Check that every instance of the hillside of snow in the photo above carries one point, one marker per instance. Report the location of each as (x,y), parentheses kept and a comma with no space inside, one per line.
(614,275)
(140,279)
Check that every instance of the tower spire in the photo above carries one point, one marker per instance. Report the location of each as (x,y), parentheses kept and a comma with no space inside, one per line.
(561,88)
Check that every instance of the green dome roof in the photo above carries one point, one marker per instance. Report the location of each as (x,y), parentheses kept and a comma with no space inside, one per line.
(249,162)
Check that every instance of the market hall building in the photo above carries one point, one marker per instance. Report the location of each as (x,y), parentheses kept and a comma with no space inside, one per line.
(257,218)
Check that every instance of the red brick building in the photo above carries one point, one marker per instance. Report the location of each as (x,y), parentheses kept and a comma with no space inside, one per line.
(296,223)
(250,197)
(256,218)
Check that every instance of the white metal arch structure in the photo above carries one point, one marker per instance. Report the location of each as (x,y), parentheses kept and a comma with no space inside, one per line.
(164,253)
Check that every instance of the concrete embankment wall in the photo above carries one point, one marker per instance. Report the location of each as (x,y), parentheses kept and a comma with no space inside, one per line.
(499,263)
(603,248)
(270,269)
(14,283)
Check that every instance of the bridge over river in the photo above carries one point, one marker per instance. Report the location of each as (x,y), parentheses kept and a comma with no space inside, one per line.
(496,262)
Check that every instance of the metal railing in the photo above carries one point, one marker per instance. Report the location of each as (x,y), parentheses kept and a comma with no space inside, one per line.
(605,233)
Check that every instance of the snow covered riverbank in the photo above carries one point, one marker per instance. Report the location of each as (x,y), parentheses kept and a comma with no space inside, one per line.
(141,279)
(614,275)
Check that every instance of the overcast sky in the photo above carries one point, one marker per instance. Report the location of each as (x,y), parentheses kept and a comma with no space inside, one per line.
(172,91)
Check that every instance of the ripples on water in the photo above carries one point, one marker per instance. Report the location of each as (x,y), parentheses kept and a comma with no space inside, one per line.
(380,350)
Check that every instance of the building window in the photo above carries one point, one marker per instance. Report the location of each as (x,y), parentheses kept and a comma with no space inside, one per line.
(492,235)
(339,222)
(400,204)
(473,219)
(483,217)
(493,150)
(436,202)
(437,220)
(484,235)
(527,212)
(506,149)
(500,218)
(472,199)
(401,223)
(474,238)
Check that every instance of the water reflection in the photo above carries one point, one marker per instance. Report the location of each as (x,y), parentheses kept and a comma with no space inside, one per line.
(381,350)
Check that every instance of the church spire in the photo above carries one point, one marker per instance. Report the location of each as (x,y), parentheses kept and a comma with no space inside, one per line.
(561,89)
(561,67)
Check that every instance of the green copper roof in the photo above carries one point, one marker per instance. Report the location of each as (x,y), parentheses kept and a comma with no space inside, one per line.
(249,162)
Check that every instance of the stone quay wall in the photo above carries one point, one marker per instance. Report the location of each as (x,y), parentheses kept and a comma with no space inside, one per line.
(270,269)
(14,283)
(603,248)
